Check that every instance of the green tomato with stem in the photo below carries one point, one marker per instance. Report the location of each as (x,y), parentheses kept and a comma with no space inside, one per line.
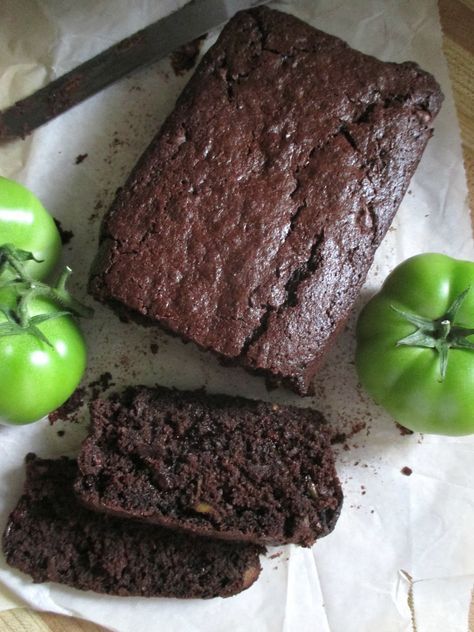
(42,357)
(415,345)
(25,223)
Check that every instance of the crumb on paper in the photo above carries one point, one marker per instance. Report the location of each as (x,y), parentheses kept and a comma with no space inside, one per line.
(338,437)
(65,235)
(80,158)
(70,408)
(403,431)
(341,436)
(98,206)
(100,385)
(406,471)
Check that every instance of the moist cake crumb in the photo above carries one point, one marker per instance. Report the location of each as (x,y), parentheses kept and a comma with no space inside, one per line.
(212,465)
(51,537)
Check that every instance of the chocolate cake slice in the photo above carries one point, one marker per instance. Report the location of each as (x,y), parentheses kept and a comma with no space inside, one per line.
(249,224)
(211,465)
(51,537)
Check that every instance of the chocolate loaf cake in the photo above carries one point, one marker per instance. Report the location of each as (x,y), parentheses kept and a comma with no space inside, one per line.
(250,223)
(51,537)
(211,465)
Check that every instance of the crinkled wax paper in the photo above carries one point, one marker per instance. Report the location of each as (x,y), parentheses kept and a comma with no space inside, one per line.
(420,524)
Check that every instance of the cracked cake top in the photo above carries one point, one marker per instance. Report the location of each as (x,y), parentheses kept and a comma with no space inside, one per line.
(249,224)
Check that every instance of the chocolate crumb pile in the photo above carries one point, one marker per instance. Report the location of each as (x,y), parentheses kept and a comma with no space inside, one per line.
(68,411)
(71,409)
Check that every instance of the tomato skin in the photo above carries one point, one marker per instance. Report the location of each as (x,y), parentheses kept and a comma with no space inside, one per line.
(35,378)
(406,380)
(25,223)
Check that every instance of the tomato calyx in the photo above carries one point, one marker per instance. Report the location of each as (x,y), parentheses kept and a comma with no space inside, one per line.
(25,288)
(12,257)
(13,328)
(441,333)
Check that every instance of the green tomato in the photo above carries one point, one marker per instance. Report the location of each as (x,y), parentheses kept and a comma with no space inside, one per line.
(36,377)
(25,223)
(415,345)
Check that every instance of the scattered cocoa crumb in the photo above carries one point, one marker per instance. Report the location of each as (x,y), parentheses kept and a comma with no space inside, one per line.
(70,407)
(66,235)
(277,554)
(372,511)
(104,381)
(407,471)
(338,437)
(124,361)
(403,430)
(154,348)
(342,436)
(97,207)
(80,158)
(184,57)
(116,142)
(101,384)
(357,427)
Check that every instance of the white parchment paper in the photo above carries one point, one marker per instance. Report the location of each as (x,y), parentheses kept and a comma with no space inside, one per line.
(421,524)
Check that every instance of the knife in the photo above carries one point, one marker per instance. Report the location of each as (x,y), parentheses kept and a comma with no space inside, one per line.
(144,47)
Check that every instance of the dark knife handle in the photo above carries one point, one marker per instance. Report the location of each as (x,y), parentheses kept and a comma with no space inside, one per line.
(144,47)
(58,96)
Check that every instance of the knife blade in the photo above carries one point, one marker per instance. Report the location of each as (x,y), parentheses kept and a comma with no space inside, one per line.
(140,49)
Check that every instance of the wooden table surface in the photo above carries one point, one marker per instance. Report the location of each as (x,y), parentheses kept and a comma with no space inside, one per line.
(457,19)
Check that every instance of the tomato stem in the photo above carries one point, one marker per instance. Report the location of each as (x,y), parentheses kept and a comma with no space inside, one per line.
(27,288)
(15,258)
(62,296)
(440,334)
(445,329)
